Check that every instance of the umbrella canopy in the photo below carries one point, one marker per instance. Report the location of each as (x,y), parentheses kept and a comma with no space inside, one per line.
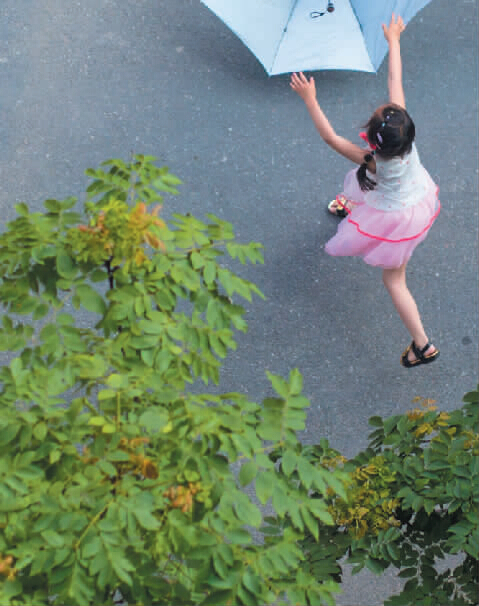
(299,35)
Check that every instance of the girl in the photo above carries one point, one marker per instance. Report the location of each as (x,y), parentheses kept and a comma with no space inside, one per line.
(390,201)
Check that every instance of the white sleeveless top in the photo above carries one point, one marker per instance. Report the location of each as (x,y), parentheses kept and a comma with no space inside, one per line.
(401,182)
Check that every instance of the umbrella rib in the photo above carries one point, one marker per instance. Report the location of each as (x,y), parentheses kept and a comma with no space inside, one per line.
(357,18)
(285,29)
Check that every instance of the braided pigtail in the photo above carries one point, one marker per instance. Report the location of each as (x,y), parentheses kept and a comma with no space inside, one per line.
(365,183)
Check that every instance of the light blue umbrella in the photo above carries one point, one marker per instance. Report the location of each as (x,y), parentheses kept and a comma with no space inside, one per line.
(299,35)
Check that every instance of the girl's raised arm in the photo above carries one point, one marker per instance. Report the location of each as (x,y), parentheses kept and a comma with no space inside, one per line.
(306,89)
(392,35)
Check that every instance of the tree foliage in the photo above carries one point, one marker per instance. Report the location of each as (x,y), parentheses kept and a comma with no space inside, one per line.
(413,499)
(116,474)
(121,477)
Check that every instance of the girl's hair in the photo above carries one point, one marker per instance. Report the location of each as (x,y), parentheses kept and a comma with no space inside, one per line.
(391,131)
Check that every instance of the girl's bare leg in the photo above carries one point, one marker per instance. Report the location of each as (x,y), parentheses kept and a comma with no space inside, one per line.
(395,282)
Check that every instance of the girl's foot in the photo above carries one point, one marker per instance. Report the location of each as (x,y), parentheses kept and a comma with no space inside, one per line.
(414,356)
(341,206)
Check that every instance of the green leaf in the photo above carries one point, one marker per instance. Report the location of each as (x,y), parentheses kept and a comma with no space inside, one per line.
(336,483)
(65,319)
(90,299)
(98,275)
(252,583)
(91,547)
(107,468)
(118,456)
(295,382)
(319,509)
(288,462)
(217,345)
(66,267)
(171,179)
(154,419)
(219,565)
(279,384)
(408,572)
(471,396)
(11,588)
(106,394)
(310,522)
(296,596)
(146,519)
(41,311)
(8,433)
(16,485)
(280,499)
(152,328)
(22,209)
(306,472)
(393,552)
(40,431)
(238,536)
(264,485)
(53,538)
(246,511)
(226,553)
(49,332)
(197,260)
(80,590)
(374,565)
(213,313)
(417,502)
(97,421)
(54,456)
(162,185)
(117,381)
(247,473)
(52,205)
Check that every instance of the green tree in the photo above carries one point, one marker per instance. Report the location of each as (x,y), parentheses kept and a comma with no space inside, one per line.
(413,500)
(116,472)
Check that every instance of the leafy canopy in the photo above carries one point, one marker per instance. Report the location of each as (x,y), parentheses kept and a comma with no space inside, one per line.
(116,472)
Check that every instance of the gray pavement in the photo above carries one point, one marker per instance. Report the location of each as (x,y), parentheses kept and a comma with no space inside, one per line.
(85,81)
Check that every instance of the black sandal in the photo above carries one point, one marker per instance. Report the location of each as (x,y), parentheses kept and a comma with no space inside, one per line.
(419,353)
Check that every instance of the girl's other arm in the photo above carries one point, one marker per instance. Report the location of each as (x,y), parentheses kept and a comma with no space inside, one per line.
(306,89)
(392,35)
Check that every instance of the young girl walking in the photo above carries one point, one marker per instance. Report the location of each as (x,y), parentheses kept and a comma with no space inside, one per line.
(390,201)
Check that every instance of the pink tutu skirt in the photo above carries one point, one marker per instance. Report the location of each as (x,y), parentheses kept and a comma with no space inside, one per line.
(385,239)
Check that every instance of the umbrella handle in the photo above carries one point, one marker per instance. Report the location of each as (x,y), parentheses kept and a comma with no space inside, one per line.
(329,9)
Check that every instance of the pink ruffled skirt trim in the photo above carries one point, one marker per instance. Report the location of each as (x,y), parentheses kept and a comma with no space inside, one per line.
(384,239)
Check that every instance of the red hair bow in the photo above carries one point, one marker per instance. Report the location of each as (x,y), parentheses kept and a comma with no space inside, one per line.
(364,137)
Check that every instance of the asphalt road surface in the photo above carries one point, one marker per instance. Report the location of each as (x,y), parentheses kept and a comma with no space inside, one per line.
(87,80)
